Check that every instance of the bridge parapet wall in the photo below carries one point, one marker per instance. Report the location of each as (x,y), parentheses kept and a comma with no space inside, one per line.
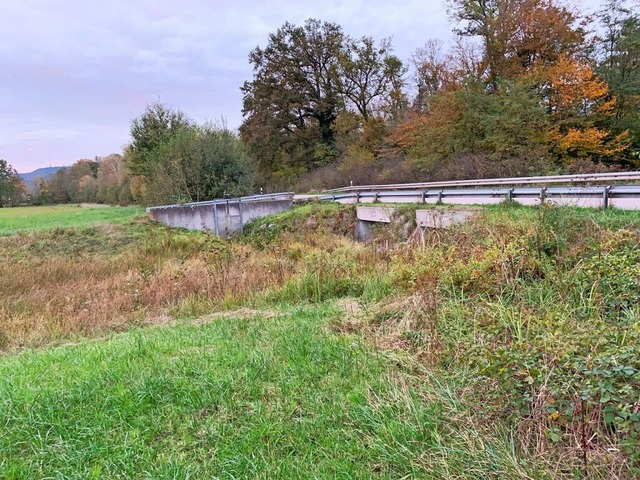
(223,217)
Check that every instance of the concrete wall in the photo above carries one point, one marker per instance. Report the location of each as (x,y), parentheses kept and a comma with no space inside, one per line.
(375,214)
(431,218)
(222,217)
(192,217)
(367,217)
(437,218)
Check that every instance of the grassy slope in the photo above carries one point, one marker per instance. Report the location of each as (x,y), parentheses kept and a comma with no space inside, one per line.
(531,314)
(29,219)
(277,397)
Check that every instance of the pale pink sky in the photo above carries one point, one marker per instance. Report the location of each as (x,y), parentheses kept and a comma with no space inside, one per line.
(73,73)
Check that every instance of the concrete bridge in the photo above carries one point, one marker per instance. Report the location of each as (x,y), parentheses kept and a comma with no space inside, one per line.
(223,217)
(227,216)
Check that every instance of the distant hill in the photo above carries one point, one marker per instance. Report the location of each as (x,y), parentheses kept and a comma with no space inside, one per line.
(45,173)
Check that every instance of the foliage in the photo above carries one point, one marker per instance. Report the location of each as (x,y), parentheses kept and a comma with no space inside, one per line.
(437,72)
(507,124)
(518,35)
(294,98)
(103,180)
(303,80)
(576,99)
(618,63)
(113,181)
(151,131)
(199,163)
(12,188)
(175,160)
(371,78)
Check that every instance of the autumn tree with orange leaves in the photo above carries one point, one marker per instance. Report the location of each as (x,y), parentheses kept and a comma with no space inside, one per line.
(576,99)
(518,35)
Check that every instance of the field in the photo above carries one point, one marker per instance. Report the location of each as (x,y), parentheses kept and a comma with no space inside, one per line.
(258,397)
(505,348)
(29,219)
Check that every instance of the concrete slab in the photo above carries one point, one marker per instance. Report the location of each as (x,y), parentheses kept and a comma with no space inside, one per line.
(375,214)
(441,218)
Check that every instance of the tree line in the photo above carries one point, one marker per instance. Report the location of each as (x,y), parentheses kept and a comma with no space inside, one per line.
(170,159)
(523,88)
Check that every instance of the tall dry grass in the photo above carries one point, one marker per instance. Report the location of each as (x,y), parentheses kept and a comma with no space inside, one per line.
(53,292)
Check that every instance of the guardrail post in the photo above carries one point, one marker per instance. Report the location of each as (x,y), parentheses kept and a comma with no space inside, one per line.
(605,197)
(439,197)
(216,229)
(510,195)
(375,197)
(424,196)
(357,197)
(543,194)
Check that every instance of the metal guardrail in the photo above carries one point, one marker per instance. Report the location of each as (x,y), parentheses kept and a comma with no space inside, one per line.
(546,180)
(604,193)
(225,201)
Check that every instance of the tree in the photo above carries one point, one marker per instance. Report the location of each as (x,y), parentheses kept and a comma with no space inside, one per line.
(59,186)
(11,185)
(502,128)
(518,34)
(619,65)
(294,99)
(303,80)
(153,129)
(436,71)
(577,100)
(199,163)
(81,185)
(41,191)
(113,180)
(371,77)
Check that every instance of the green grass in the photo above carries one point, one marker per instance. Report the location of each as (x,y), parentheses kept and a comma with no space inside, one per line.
(263,397)
(30,219)
(496,349)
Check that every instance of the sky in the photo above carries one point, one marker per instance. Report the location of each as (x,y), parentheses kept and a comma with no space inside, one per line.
(73,73)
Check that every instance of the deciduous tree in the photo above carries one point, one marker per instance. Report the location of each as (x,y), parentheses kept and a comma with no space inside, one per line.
(292,102)
(577,100)
(199,163)
(619,65)
(518,34)
(371,77)
(304,79)
(154,128)
(12,187)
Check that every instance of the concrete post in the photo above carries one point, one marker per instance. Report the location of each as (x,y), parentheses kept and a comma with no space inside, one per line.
(215,219)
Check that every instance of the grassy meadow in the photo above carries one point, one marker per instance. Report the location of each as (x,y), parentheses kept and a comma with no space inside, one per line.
(508,347)
(29,219)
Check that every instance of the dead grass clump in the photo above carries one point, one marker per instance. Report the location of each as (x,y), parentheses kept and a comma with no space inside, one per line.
(408,323)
